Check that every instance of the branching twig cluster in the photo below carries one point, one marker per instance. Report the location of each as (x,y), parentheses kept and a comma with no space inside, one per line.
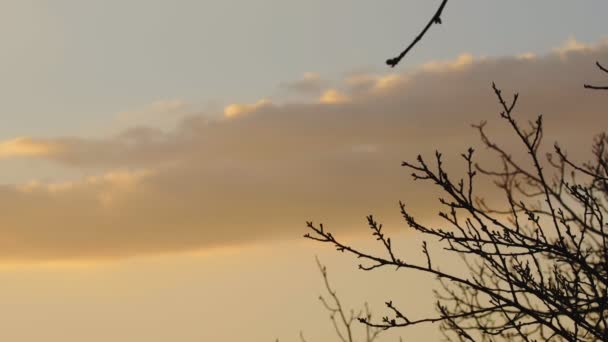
(343,321)
(538,267)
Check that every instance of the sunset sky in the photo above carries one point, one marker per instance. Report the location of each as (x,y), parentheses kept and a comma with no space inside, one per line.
(160,158)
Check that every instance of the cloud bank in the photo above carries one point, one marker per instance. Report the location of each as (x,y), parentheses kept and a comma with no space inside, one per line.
(262,169)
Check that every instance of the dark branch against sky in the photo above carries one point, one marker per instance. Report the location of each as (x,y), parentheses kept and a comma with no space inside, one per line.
(435,19)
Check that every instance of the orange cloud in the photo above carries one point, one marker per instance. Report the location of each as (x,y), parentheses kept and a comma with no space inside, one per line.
(24,147)
(234,110)
(462,61)
(332,96)
(212,183)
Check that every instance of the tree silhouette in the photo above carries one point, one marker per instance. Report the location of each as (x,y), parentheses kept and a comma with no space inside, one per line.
(537,267)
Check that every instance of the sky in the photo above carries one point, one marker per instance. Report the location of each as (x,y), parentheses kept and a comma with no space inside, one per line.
(160,158)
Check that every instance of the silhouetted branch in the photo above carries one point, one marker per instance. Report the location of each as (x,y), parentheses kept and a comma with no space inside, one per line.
(435,19)
(602,68)
(588,86)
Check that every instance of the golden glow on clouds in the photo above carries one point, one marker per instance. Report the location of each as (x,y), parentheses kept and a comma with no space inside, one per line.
(91,262)
(115,179)
(24,147)
(464,60)
(108,189)
(572,45)
(527,55)
(312,76)
(388,81)
(209,184)
(333,96)
(234,110)
(115,185)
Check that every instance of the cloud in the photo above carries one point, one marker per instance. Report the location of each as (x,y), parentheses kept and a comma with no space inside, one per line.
(263,169)
(25,147)
(233,110)
(572,45)
(108,187)
(161,113)
(462,61)
(311,83)
(388,81)
(526,55)
(333,96)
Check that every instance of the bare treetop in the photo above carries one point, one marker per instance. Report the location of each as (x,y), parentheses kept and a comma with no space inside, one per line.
(537,267)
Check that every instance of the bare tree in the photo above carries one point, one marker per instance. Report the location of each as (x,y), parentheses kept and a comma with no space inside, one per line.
(537,267)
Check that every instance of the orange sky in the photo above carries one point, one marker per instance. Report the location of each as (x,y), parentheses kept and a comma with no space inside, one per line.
(180,219)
